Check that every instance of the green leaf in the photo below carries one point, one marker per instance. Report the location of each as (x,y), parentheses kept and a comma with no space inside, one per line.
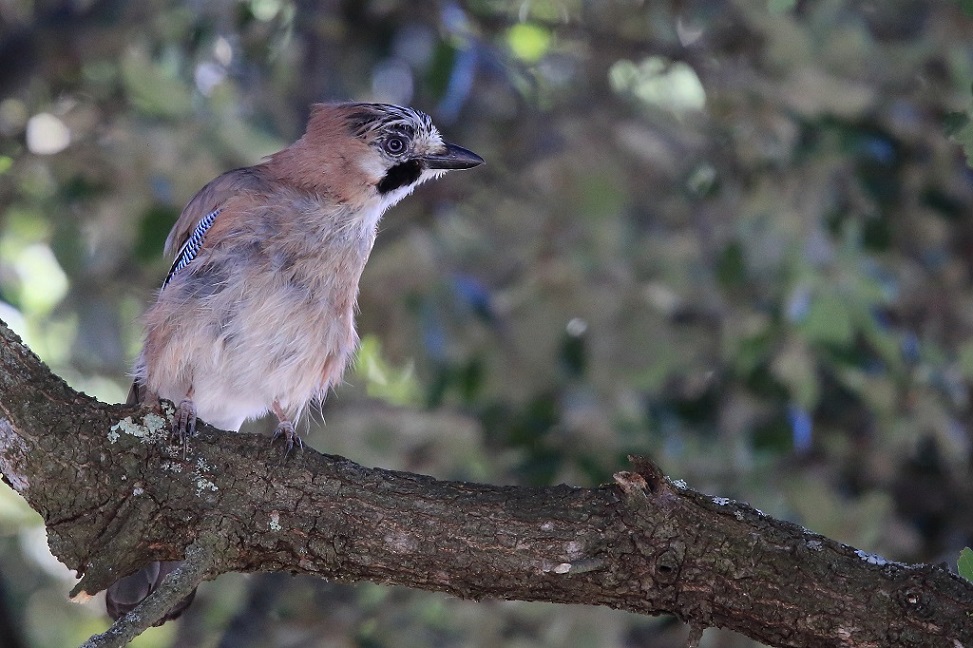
(153,89)
(965,359)
(829,321)
(731,266)
(965,563)
(396,385)
(795,367)
(962,135)
(780,6)
(528,42)
(954,122)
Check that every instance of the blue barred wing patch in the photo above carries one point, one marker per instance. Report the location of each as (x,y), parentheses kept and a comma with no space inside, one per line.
(190,248)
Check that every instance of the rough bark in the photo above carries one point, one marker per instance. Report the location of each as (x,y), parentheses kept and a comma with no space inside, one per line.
(115,494)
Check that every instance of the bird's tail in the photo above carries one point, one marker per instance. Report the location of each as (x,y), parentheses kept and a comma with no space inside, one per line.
(124,594)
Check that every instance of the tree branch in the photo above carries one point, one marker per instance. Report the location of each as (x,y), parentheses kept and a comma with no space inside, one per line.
(115,494)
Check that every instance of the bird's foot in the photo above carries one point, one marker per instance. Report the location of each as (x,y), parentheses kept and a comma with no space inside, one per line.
(185,426)
(286,429)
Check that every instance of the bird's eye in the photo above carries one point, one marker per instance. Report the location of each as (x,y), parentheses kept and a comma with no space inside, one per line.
(394,145)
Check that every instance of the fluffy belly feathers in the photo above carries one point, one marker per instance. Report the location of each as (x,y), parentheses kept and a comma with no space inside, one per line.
(236,347)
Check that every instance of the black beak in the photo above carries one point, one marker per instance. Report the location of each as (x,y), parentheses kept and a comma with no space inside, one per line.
(454,157)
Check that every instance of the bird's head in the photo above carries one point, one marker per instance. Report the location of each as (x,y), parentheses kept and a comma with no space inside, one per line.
(367,152)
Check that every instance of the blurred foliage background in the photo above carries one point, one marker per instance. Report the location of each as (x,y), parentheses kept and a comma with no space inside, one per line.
(731,234)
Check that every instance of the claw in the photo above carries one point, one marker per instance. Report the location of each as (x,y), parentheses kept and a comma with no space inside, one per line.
(286,429)
(185,424)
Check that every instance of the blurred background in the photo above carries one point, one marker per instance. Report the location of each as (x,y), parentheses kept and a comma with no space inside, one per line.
(733,235)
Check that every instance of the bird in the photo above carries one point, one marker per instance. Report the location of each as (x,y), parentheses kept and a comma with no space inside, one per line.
(257,312)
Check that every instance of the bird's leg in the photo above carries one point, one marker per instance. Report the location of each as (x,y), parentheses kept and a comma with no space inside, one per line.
(285,429)
(185,421)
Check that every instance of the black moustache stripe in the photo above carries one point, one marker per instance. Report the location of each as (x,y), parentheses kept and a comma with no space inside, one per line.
(400,175)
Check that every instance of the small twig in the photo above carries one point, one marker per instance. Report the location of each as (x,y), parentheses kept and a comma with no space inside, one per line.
(176,586)
(695,636)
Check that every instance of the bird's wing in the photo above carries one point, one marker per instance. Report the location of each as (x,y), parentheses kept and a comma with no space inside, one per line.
(190,248)
(189,233)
